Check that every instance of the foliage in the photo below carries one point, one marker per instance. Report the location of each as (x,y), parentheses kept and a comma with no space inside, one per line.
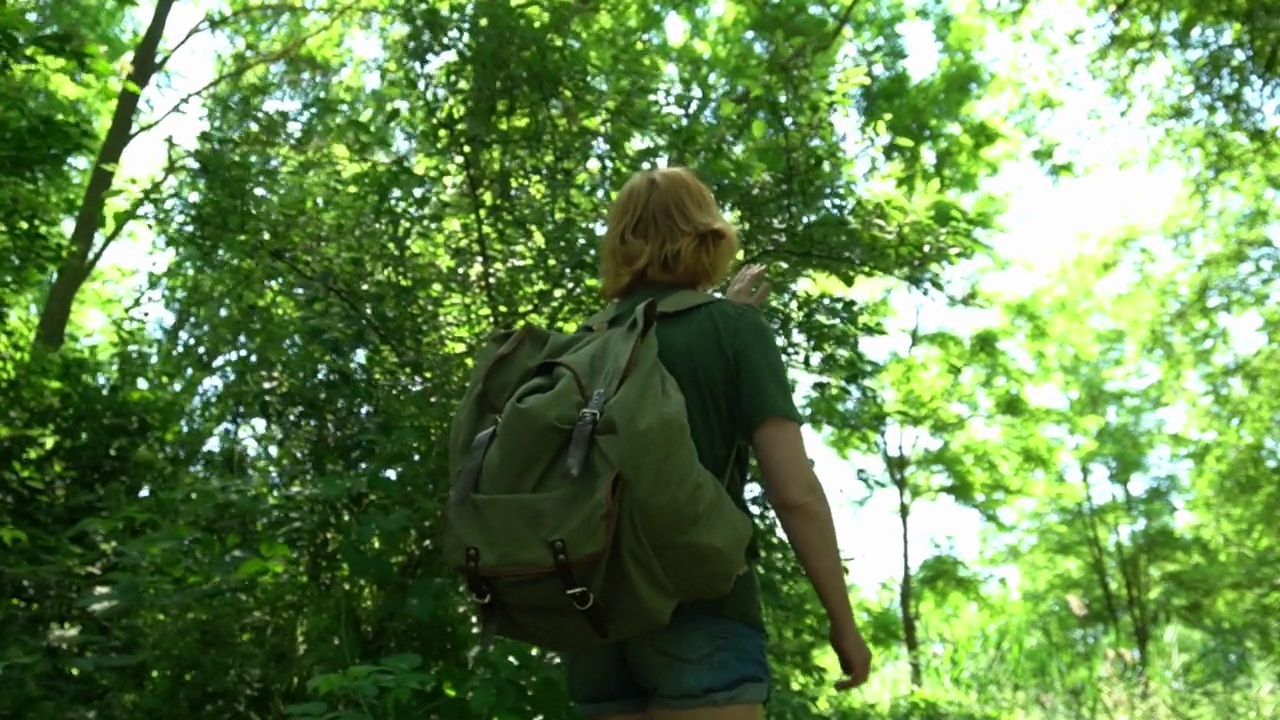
(1205,72)
(226,505)
(56,57)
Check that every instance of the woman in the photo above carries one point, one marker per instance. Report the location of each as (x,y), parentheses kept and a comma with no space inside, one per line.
(665,232)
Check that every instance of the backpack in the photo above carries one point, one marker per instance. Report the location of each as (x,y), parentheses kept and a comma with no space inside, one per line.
(580,513)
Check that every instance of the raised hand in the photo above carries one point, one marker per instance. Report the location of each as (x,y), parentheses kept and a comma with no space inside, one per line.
(749,286)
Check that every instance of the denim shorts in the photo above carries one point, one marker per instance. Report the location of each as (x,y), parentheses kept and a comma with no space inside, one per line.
(697,661)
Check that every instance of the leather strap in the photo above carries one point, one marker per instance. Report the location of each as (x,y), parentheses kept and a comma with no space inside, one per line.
(482,593)
(583,431)
(469,476)
(582,598)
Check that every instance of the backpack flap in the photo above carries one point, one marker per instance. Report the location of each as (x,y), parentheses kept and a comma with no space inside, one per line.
(530,536)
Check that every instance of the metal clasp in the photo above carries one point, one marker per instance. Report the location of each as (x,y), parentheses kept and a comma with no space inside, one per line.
(575,594)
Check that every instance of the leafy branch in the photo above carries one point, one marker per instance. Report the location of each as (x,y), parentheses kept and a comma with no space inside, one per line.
(239,70)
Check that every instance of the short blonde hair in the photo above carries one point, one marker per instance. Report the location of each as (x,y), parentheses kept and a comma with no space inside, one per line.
(665,227)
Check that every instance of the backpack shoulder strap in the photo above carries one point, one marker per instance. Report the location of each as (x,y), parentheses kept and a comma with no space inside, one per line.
(682,300)
(675,302)
(732,470)
(600,321)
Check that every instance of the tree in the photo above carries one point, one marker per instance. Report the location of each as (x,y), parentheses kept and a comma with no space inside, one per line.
(229,507)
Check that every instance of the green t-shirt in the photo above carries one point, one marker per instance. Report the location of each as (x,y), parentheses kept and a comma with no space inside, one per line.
(725,359)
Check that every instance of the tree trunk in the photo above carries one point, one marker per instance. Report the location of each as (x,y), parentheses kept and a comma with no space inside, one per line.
(906,594)
(82,257)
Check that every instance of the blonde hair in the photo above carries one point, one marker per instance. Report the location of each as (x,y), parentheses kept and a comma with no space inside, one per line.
(665,227)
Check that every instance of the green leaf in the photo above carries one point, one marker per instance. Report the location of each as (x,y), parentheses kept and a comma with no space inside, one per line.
(404,661)
(253,567)
(12,535)
(308,709)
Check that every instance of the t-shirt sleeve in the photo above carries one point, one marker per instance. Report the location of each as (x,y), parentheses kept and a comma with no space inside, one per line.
(762,384)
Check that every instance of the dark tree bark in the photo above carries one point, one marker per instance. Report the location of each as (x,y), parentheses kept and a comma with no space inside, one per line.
(82,257)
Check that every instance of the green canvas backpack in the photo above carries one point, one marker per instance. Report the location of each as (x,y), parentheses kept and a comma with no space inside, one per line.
(580,513)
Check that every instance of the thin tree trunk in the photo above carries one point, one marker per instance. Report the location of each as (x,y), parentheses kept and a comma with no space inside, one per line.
(906,594)
(1098,559)
(82,257)
(1135,587)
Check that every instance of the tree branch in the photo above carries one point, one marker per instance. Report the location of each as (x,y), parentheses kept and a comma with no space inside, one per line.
(210,23)
(131,214)
(344,298)
(239,70)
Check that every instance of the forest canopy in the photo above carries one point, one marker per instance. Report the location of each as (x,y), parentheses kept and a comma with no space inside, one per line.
(1026,259)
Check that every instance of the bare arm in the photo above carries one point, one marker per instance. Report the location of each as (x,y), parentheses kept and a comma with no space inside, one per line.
(797,497)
